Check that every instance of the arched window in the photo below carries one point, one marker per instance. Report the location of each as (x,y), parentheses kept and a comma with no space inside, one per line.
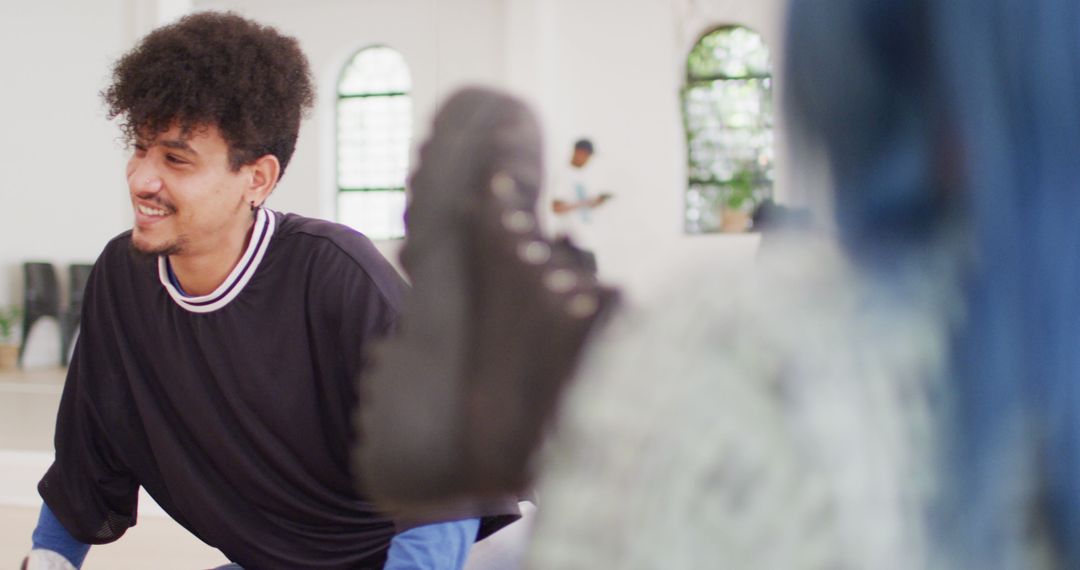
(374,129)
(727,106)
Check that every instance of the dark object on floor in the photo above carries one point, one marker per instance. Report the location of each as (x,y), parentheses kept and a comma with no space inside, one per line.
(456,402)
(78,274)
(41,298)
(771,217)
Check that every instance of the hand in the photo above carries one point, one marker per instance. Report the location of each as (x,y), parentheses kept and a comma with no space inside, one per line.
(41,559)
(601,199)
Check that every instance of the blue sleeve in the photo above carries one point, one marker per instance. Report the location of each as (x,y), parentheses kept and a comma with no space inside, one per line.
(51,535)
(441,546)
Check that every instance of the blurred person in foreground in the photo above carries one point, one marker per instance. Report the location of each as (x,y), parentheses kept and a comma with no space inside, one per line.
(904,398)
(493,324)
(489,332)
(220,340)
(910,400)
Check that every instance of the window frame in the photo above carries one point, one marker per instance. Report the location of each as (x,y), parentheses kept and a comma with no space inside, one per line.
(763,184)
(339,189)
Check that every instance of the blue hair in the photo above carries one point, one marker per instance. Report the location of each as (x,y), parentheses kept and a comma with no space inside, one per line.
(953,127)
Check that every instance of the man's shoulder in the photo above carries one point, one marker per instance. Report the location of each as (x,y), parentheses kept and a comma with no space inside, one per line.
(324,241)
(317,233)
(120,241)
(119,267)
(117,250)
(291,224)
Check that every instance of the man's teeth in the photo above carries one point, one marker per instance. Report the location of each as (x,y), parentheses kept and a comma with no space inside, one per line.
(148,211)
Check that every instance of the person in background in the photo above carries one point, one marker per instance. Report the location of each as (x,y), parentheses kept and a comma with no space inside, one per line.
(575,202)
(220,340)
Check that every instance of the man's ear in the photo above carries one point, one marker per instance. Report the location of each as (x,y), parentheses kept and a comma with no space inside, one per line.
(264,173)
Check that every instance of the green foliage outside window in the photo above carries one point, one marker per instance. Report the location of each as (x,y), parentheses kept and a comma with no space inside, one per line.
(728,114)
(9,319)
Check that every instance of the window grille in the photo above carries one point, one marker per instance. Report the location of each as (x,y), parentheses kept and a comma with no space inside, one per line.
(728,114)
(374,133)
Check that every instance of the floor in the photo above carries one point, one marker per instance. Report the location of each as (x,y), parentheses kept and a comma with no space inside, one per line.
(28,402)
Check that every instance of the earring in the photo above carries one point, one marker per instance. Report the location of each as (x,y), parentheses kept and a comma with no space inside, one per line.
(253,208)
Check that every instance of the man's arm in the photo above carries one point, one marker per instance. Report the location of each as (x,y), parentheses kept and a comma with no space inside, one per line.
(563,206)
(50,539)
(438,546)
(89,486)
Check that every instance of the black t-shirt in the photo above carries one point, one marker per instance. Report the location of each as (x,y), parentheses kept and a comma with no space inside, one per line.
(232,409)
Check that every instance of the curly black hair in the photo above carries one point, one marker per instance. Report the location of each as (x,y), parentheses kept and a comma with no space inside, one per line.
(215,69)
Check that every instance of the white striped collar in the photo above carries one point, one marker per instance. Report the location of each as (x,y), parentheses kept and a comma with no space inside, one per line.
(241,274)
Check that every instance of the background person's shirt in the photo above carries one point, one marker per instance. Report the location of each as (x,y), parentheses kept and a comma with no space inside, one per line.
(572,185)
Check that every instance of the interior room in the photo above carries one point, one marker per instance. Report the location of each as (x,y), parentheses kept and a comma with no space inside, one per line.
(901,360)
(612,71)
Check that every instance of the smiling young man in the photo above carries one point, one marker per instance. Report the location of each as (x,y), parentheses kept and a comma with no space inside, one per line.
(220,340)
(191,206)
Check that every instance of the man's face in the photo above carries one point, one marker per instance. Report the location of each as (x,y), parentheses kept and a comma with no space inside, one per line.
(581,157)
(187,200)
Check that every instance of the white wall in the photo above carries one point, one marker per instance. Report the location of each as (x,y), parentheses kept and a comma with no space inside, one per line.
(62,191)
(609,69)
(62,188)
(613,70)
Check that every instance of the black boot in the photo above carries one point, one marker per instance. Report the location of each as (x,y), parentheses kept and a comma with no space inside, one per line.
(456,401)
